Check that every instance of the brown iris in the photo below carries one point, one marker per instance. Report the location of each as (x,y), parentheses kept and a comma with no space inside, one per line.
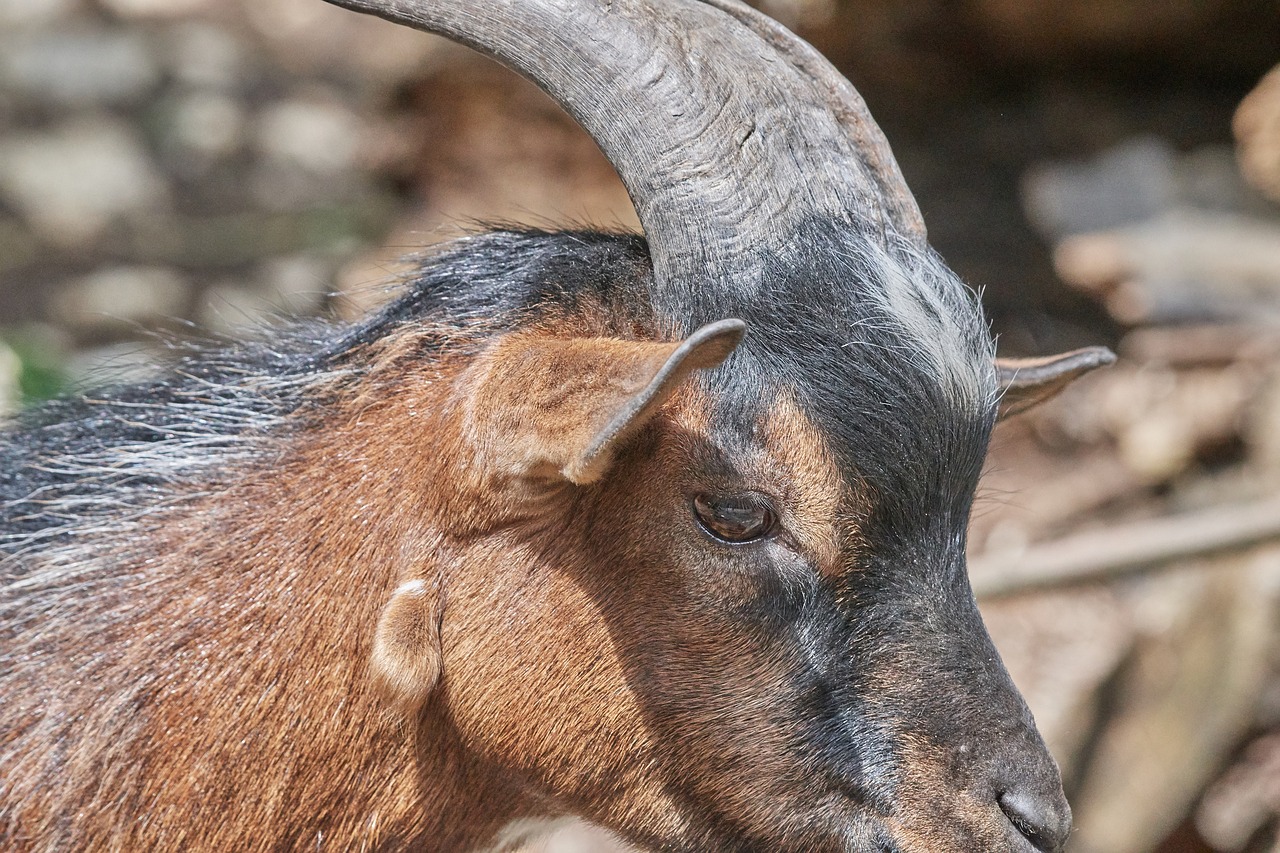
(735,518)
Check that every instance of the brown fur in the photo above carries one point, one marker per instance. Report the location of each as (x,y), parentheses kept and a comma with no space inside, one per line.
(256,722)
(412,628)
(823,510)
(406,651)
(967,820)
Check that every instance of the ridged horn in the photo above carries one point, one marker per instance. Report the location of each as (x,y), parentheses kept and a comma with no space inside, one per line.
(728,130)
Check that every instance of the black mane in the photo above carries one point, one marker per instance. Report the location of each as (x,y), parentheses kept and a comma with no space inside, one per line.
(817,324)
(222,393)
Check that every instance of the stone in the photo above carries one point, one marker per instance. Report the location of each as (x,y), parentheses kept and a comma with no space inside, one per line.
(235,310)
(308,154)
(116,363)
(80,67)
(1129,183)
(154,8)
(124,296)
(18,246)
(298,284)
(16,15)
(207,56)
(72,182)
(373,277)
(206,125)
(321,137)
(317,39)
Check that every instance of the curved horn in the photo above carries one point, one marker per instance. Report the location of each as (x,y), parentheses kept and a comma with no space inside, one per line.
(728,131)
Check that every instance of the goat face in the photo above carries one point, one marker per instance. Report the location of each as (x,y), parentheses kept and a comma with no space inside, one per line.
(750,625)
(705,591)
(741,593)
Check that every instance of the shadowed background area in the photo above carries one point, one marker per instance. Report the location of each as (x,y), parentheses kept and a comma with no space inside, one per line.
(1104,173)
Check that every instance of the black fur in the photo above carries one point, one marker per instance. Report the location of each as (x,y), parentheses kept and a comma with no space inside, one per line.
(814,330)
(819,329)
(498,279)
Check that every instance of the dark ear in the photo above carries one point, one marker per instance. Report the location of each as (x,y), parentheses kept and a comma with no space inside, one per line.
(1026,382)
(548,406)
(407,657)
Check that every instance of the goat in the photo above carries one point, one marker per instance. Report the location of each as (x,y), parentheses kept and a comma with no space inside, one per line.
(662,534)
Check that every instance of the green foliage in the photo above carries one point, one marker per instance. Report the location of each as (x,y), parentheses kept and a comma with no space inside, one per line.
(32,366)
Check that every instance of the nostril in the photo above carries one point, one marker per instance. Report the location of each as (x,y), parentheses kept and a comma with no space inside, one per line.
(1040,820)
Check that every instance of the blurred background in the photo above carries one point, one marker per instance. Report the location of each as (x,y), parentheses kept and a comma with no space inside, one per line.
(1105,171)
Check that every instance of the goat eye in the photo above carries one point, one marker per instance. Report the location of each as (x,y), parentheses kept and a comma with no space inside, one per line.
(734,518)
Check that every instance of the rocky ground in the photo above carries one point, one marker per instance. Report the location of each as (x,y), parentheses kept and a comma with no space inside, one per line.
(214,162)
(166,160)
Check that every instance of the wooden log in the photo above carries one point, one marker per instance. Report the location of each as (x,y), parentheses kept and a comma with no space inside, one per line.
(1183,266)
(1203,344)
(1257,130)
(1115,551)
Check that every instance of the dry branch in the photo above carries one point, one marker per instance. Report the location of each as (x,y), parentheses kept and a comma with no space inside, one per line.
(1186,265)
(1098,555)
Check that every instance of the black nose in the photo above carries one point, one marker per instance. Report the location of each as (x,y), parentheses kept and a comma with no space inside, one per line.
(1043,818)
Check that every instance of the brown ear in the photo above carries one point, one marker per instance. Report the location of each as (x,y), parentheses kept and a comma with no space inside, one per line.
(1026,382)
(407,657)
(553,406)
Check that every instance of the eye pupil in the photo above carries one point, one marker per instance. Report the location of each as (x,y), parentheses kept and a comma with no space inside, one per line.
(734,518)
